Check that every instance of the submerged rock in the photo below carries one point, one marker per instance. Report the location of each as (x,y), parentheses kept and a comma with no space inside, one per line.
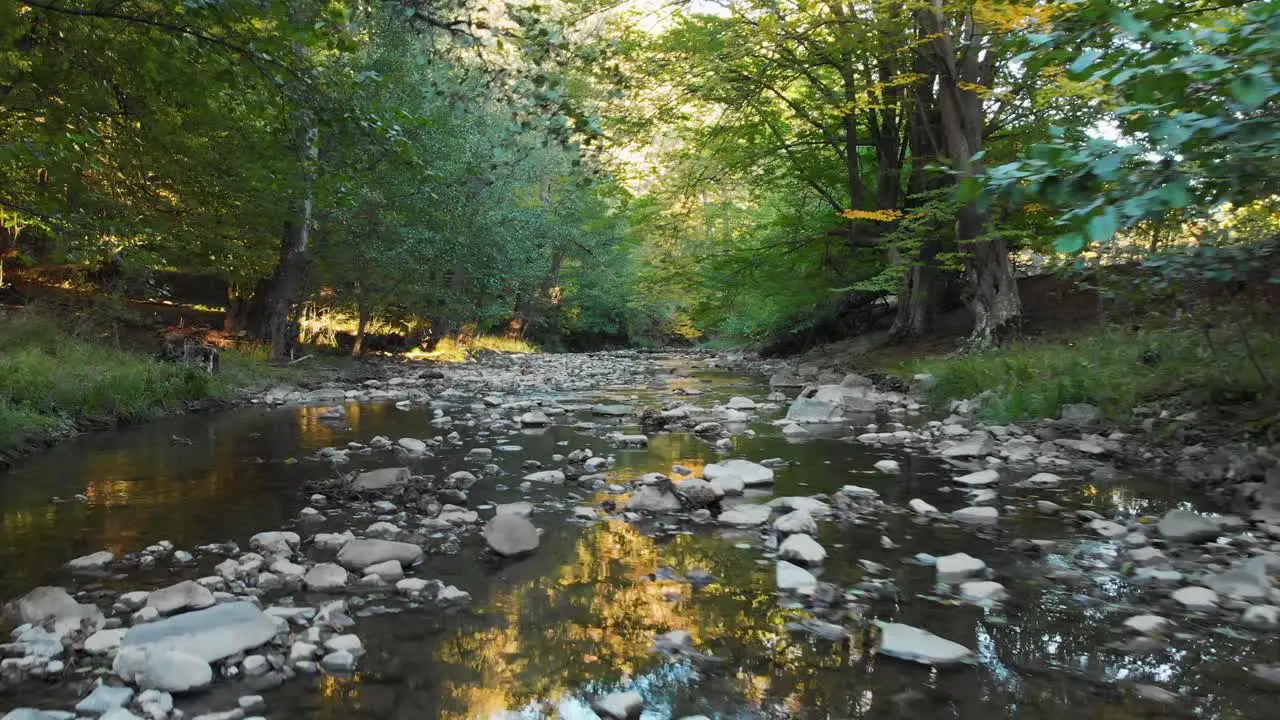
(510,535)
(910,643)
(381,480)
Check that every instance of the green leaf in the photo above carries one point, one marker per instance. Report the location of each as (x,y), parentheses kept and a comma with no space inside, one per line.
(1251,91)
(1176,194)
(1087,58)
(1069,244)
(1102,227)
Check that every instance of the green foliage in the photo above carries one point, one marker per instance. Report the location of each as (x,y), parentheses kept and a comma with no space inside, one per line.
(1192,93)
(1115,369)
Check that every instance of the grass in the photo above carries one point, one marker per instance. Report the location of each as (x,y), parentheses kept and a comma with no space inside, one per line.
(53,382)
(1116,369)
(459,349)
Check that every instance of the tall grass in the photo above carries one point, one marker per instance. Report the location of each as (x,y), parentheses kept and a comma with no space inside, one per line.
(1114,369)
(52,382)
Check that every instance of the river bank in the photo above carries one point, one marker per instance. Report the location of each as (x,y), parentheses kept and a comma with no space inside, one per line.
(700,546)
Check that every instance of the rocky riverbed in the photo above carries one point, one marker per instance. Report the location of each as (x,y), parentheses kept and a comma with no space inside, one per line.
(626,535)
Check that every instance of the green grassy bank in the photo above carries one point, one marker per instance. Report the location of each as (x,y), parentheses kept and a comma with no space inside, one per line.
(53,383)
(1117,369)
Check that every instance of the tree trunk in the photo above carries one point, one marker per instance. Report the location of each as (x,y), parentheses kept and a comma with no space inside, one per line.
(993,291)
(362,310)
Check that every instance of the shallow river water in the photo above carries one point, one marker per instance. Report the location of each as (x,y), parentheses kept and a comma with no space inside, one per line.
(545,634)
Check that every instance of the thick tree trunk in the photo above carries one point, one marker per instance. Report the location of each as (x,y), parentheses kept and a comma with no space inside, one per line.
(362,324)
(993,291)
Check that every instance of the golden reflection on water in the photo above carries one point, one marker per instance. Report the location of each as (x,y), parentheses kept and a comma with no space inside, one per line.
(595,618)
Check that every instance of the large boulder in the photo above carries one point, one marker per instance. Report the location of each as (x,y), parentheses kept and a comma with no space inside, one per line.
(511,534)
(210,634)
(186,595)
(361,553)
(1187,526)
(652,498)
(806,410)
(698,493)
(909,643)
(750,473)
(381,480)
(978,444)
(164,669)
(53,605)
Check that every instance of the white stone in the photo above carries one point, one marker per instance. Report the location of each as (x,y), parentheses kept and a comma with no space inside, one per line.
(186,595)
(746,515)
(1146,624)
(411,586)
(802,549)
(546,476)
(859,492)
(1108,529)
(275,542)
(750,473)
(1196,598)
(210,634)
(93,561)
(326,576)
(162,668)
(958,566)
(728,484)
(796,521)
(651,498)
(1187,526)
(332,541)
(510,535)
(389,570)
(383,479)
(982,478)
(1041,480)
(1261,616)
(521,508)
(339,661)
(301,651)
(53,604)
(889,467)
(255,665)
(348,642)
(361,553)
(619,706)
(794,578)
(104,698)
(910,643)
(104,641)
(413,445)
(983,591)
(921,507)
(976,515)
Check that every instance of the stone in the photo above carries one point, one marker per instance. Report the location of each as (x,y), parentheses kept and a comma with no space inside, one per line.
(728,484)
(888,467)
(250,703)
(360,554)
(813,506)
(383,529)
(982,478)
(796,521)
(1144,554)
(341,661)
(1196,598)
(186,595)
(738,402)
(983,591)
(553,477)
(134,600)
(411,586)
(1108,529)
(1079,414)
(976,515)
(745,515)
(388,570)
(413,445)
(921,507)
(619,705)
(325,576)
(92,561)
(210,634)
(104,698)
(332,541)
(1043,481)
(511,535)
(1046,507)
(54,605)
(535,418)
(751,473)
(152,667)
(381,480)
(255,665)
(452,595)
(275,542)
(104,642)
(1247,582)
(861,493)
(790,577)
(631,441)
(1261,616)
(802,549)
(958,566)
(653,499)
(807,410)
(1186,526)
(350,643)
(977,444)
(697,493)
(1146,624)
(301,651)
(920,646)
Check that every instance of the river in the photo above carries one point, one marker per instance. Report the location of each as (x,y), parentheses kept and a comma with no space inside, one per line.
(544,635)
